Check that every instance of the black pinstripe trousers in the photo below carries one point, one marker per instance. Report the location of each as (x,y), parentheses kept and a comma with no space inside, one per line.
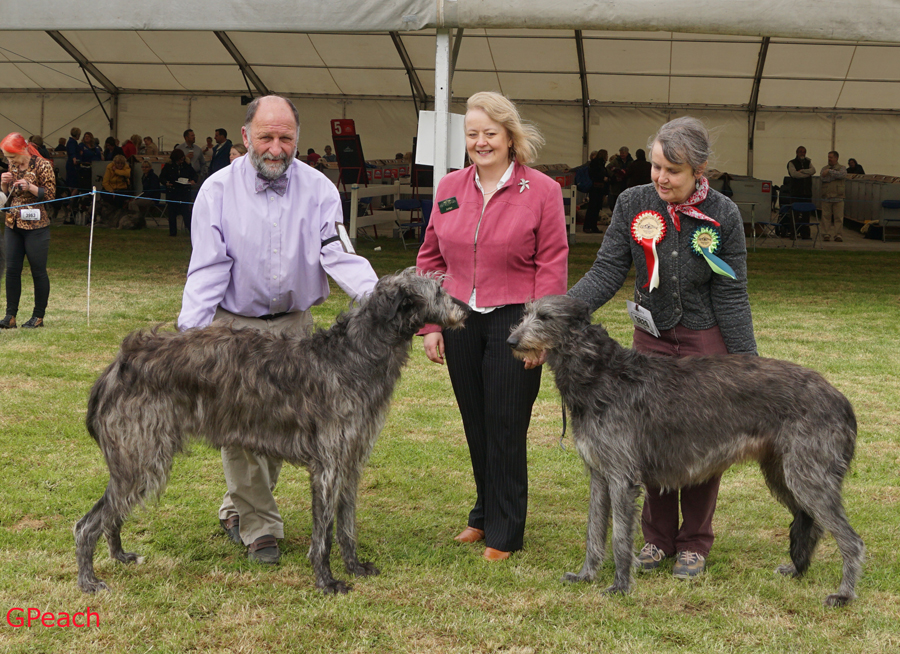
(495,395)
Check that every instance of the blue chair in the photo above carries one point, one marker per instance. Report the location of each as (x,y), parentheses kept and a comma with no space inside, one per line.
(414,206)
(890,212)
(798,210)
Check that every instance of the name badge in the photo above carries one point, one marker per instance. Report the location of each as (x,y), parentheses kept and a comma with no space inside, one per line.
(642,318)
(29,214)
(448,205)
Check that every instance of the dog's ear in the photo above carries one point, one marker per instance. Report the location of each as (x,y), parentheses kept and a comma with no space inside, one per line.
(395,301)
(580,311)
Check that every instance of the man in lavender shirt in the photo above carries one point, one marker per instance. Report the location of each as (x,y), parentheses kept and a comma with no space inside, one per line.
(264,238)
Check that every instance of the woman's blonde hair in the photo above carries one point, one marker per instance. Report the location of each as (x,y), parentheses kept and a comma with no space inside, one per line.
(525,137)
(240,148)
(119,159)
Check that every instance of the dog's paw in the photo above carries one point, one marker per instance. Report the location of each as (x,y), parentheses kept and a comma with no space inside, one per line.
(573,578)
(616,589)
(129,557)
(335,587)
(788,570)
(92,585)
(363,569)
(837,600)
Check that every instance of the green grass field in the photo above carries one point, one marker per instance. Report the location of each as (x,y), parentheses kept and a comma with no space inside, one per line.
(837,312)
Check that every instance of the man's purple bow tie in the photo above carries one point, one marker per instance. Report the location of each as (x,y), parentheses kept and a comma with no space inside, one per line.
(279,185)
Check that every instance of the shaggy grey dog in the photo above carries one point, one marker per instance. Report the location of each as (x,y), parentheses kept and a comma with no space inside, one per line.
(319,401)
(672,422)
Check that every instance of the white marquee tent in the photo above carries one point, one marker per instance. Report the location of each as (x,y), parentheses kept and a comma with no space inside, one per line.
(768,76)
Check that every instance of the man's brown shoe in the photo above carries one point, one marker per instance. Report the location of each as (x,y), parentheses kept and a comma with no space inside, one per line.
(470,535)
(490,554)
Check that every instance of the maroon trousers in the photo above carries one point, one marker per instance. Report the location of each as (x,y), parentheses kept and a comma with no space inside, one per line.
(659,519)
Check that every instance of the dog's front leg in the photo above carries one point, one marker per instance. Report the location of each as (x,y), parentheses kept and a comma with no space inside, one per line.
(323,485)
(598,520)
(623,498)
(346,526)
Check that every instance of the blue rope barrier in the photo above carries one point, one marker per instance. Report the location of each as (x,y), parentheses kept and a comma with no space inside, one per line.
(82,195)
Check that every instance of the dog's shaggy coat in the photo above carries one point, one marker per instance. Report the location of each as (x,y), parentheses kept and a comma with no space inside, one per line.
(319,401)
(672,422)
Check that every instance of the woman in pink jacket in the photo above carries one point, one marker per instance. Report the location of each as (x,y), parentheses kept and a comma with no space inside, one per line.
(498,231)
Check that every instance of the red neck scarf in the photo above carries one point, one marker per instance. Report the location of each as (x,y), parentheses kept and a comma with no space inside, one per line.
(688,206)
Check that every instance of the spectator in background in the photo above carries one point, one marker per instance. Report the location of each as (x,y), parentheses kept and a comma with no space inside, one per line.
(61,146)
(116,181)
(38,142)
(73,153)
(399,156)
(312,158)
(131,147)
(854,168)
(149,196)
(149,147)
(111,149)
(180,179)
(617,168)
(221,155)
(329,155)
(832,221)
(801,171)
(599,188)
(638,171)
(237,150)
(89,150)
(208,151)
(193,154)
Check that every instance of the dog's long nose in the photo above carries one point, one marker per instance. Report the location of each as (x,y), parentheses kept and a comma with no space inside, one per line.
(513,341)
(462,305)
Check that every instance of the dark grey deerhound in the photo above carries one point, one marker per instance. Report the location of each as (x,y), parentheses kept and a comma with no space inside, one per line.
(319,401)
(672,422)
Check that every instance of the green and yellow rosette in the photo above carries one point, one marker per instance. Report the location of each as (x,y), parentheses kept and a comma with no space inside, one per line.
(705,242)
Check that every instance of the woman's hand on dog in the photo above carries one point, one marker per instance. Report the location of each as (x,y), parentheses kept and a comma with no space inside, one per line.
(535,362)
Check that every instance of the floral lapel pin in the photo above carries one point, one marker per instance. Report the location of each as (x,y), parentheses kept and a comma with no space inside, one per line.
(523,184)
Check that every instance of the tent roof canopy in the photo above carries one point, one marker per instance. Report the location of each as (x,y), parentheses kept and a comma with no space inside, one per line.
(636,68)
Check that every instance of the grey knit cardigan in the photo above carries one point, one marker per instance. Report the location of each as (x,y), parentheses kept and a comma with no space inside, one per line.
(689,292)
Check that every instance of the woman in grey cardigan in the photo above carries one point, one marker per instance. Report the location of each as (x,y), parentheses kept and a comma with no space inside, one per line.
(687,244)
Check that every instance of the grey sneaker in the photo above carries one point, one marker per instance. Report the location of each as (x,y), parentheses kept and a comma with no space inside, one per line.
(649,557)
(688,565)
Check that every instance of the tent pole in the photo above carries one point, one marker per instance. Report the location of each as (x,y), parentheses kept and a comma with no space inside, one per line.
(585,98)
(441,103)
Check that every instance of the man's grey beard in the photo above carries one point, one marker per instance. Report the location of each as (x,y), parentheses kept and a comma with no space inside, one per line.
(259,162)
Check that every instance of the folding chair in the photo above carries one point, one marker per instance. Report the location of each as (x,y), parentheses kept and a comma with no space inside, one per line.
(890,212)
(765,230)
(413,205)
(797,210)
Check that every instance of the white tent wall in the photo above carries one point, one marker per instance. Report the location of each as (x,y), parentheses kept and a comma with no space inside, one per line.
(561,126)
(872,140)
(161,117)
(384,127)
(20,112)
(782,134)
(52,115)
(63,111)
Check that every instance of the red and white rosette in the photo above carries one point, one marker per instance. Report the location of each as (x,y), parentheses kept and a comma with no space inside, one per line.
(648,228)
